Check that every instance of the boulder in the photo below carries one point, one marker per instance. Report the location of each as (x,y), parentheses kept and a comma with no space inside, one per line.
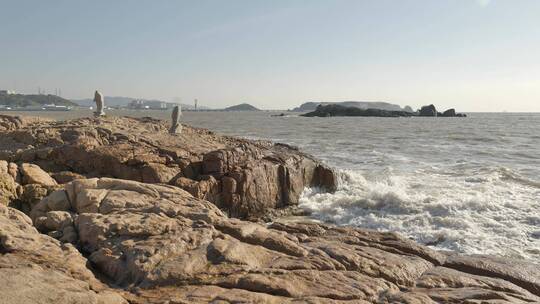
(33,174)
(429,111)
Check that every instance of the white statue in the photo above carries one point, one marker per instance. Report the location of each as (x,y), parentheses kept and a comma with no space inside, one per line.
(176,127)
(100,104)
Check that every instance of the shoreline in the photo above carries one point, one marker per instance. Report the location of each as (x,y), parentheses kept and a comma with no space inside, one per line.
(174,207)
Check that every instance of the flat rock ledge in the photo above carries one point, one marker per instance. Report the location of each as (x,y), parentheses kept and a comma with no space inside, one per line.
(105,240)
(243,177)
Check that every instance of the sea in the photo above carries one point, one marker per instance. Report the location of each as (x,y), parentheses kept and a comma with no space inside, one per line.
(470,185)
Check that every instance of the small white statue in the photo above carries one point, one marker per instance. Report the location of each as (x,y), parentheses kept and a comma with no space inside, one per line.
(176,127)
(100,104)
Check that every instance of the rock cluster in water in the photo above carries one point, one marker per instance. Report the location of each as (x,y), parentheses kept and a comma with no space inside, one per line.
(339,110)
(73,232)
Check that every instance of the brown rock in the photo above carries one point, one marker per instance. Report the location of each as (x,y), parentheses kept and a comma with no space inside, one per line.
(33,174)
(35,268)
(8,186)
(31,195)
(229,184)
(64,177)
(13,170)
(267,176)
(175,247)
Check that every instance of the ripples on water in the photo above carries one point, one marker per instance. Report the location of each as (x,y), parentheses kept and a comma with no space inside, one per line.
(470,185)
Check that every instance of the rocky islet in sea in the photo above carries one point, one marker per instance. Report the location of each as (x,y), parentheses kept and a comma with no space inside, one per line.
(117,210)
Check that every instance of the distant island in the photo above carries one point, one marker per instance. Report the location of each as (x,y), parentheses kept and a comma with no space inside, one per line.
(241,107)
(22,100)
(339,110)
(311,106)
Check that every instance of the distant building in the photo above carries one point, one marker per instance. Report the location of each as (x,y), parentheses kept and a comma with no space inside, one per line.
(147,104)
(136,104)
(7,92)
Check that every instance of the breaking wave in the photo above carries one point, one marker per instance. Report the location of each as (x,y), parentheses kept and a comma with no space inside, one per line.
(495,211)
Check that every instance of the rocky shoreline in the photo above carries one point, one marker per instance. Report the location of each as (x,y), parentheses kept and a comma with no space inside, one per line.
(117,210)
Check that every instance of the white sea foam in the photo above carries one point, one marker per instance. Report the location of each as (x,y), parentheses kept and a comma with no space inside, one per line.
(487,214)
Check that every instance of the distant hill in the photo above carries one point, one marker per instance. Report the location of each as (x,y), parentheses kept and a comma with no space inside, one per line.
(120,101)
(22,100)
(311,106)
(242,107)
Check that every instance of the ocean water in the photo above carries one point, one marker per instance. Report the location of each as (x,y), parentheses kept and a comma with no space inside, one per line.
(470,185)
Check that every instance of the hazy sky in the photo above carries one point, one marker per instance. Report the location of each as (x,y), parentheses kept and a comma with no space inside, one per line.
(474,55)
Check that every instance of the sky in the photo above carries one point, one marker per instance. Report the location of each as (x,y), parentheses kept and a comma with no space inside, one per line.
(472,55)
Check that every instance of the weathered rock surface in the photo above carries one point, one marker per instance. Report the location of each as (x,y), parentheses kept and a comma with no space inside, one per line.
(35,268)
(8,186)
(265,175)
(158,243)
(33,174)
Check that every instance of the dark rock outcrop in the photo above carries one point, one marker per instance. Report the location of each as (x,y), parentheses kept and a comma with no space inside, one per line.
(265,175)
(338,110)
(449,113)
(311,106)
(429,111)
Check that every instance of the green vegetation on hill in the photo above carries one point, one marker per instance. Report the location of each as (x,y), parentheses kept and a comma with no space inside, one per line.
(21,100)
